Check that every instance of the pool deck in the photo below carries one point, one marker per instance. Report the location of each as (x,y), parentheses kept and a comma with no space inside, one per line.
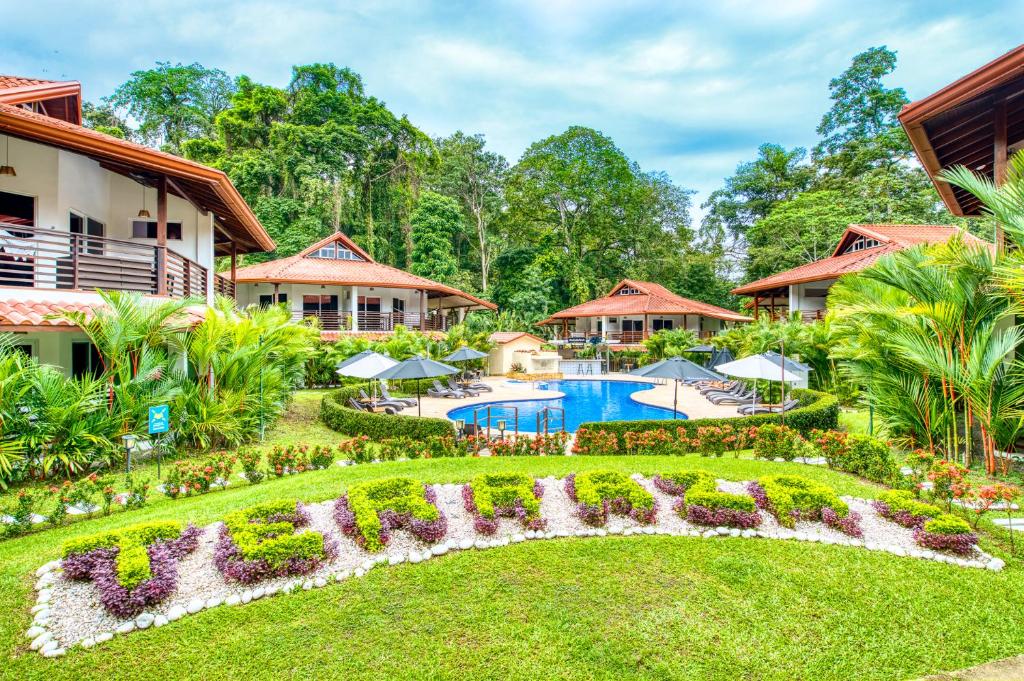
(691,402)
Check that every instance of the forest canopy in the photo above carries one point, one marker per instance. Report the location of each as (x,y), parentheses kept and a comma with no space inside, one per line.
(559,226)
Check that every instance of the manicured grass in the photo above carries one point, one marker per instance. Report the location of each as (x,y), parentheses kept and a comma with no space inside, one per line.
(611,608)
(859,421)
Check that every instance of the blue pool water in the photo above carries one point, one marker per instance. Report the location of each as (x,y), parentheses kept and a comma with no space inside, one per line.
(584,401)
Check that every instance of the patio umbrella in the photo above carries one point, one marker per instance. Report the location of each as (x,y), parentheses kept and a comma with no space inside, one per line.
(417,367)
(464,354)
(701,348)
(367,364)
(758,367)
(678,369)
(720,356)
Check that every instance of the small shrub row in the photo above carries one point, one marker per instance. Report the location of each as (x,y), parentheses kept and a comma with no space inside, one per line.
(933,529)
(132,568)
(863,455)
(337,415)
(196,476)
(371,510)
(262,541)
(552,444)
(701,503)
(817,411)
(600,492)
(510,495)
(792,497)
(704,440)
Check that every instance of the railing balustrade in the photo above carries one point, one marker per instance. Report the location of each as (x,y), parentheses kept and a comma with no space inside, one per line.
(55,259)
(334,320)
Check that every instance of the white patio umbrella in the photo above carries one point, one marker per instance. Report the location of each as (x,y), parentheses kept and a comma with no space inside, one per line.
(757,367)
(366,364)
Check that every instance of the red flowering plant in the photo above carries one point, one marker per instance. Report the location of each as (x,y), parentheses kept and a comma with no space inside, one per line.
(251,460)
(920,461)
(985,498)
(517,445)
(355,449)
(833,444)
(949,482)
(745,437)
(222,463)
(21,511)
(288,459)
(684,443)
(648,442)
(715,440)
(62,498)
(595,442)
(107,494)
(552,444)
(321,456)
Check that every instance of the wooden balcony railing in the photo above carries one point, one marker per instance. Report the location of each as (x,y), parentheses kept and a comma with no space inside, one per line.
(333,320)
(53,259)
(222,286)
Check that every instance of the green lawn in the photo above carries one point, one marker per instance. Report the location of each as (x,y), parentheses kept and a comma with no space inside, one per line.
(643,607)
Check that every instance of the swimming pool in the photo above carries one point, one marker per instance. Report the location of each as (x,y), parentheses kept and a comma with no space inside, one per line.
(584,401)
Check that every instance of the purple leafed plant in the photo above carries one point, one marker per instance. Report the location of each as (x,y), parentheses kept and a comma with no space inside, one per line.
(344,516)
(849,525)
(100,565)
(570,486)
(468,500)
(904,518)
(485,525)
(721,517)
(227,558)
(669,487)
(593,515)
(760,496)
(960,544)
(538,489)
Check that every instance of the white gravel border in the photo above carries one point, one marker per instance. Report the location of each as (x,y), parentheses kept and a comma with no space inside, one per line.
(68,613)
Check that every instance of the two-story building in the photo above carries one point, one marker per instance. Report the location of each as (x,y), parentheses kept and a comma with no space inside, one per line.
(633,310)
(82,211)
(804,289)
(339,284)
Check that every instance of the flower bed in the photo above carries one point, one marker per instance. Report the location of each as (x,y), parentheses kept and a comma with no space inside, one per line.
(792,497)
(133,567)
(947,533)
(261,541)
(552,444)
(701,503)
(371,510)
(775,441)
(902,508)
(188,477)
(510,495)
(600,492)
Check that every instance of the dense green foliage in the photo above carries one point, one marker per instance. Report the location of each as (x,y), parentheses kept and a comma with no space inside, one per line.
(260,534)
(790,495)
(397,495)
(504,490)
(337,415)
(222,378)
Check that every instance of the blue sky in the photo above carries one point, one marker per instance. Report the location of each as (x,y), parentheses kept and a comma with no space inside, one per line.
(690,88)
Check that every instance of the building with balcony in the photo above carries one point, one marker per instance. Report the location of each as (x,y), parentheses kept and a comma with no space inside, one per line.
(337,283)
(82,211)
(804,289)
(633,310)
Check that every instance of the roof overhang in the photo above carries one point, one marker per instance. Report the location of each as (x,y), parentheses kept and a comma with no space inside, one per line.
(958,125)
(207,188)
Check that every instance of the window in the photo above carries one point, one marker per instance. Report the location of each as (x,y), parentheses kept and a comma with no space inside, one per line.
(16,209)
(861,244)
(268,299)
(628,291)
(369,304)
(336,251)
(80,224)
(398,305)
(632,325)
(146,229)
(26,348)
(662,324)
(317,304)
(85,360)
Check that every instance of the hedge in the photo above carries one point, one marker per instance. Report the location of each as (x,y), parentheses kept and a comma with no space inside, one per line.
(817,410)
(337,415)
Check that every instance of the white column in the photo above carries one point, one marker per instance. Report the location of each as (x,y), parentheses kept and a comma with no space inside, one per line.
(794,297)
(462,315)
(604,327)
(355,308)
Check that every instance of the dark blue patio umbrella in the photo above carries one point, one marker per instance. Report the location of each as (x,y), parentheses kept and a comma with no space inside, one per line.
(720,356)
(416,368)
(678,369)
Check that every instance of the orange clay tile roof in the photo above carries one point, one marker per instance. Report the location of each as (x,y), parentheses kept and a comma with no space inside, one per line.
(212,185)
(893,238)
(7,82)
(306,268)
(502,337)
(652,299)
(48,313)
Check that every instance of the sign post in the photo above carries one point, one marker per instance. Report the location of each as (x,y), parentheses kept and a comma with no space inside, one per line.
(159,422)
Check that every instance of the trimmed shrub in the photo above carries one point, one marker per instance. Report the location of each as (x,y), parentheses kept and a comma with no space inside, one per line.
(817,410)
(336,415)
(511,495)
(833,444)
(371,510)
(288,459)
(525,445)
(947,533)
(261,541)
(904,509)
(251,460)
(861,455)
(792,497)
(132,568)
(701,503)
(600,492)
(776,441)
